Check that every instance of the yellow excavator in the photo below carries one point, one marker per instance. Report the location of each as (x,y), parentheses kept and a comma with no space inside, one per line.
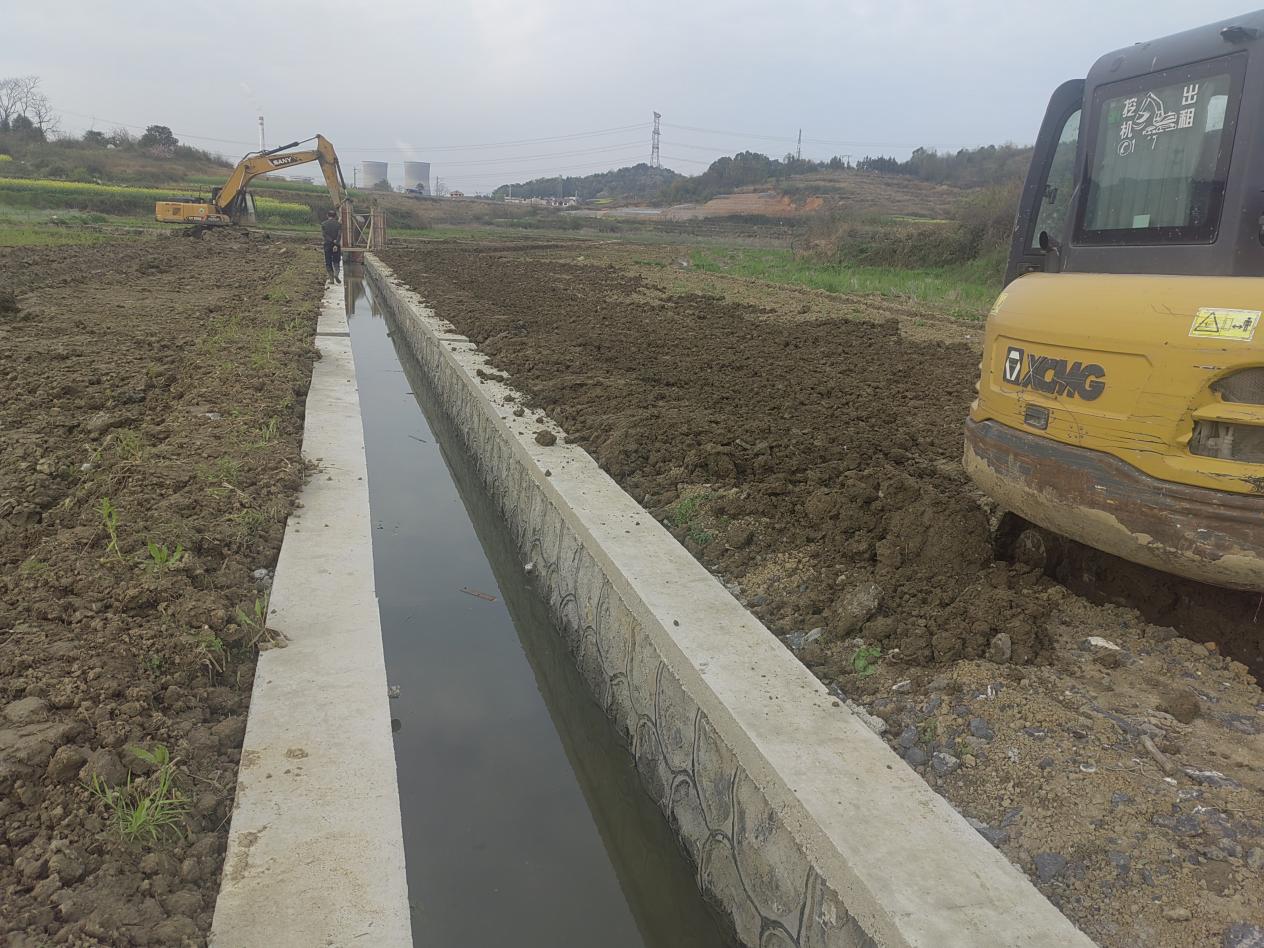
(232,203)
(1121,398)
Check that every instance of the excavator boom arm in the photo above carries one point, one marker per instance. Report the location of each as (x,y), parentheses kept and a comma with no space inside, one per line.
(252,166)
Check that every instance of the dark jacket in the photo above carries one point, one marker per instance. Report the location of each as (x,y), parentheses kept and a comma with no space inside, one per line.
(331,230)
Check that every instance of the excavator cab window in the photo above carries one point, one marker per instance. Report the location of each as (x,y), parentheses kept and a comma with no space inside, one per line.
(1049,190)
(1158,156)
(1051,218)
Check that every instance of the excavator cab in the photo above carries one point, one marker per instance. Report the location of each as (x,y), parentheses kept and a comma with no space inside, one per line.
(1121,393)
(242,208)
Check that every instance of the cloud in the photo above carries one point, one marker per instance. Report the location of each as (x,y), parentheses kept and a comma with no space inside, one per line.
(396,79)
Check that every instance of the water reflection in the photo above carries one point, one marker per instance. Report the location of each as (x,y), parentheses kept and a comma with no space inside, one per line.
(525,823)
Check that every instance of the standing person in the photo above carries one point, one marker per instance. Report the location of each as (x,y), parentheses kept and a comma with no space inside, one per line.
(331,233)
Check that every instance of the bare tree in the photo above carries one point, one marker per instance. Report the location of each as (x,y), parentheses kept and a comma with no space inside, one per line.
(21,95)
(10,100)
(40,111)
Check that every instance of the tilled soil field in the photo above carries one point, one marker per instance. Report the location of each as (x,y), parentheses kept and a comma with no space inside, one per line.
(151,407)
(811,459)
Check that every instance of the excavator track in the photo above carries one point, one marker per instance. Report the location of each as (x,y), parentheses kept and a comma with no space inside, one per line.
(1231,621)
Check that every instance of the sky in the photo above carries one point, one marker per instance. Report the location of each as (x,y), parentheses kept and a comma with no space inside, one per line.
(491,91)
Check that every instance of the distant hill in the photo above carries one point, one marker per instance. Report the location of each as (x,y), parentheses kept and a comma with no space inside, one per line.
(117,158)
(634,183)
(966,168)
(856,194)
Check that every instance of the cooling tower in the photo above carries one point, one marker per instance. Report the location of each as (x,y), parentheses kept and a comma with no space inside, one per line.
(371,173)
(417,176)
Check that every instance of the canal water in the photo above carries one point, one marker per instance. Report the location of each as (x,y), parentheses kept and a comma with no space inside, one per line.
(525,823)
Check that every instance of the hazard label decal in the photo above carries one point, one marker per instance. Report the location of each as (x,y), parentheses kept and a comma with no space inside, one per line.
(1212,322)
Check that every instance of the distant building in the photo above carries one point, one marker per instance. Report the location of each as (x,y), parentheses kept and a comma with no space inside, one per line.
(456,194)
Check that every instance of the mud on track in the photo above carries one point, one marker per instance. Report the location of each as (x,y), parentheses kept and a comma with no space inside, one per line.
(812,462)
(169,376)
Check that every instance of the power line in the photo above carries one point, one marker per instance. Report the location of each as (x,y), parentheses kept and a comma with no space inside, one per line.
(555,154)
(820,141)
(572,136)
(850,144)
(692,161)
(713,131)
(117,124)
(522,141)
(656,125)
(550,172)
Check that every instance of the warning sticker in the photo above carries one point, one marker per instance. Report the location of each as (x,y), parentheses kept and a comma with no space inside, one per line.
(1214,323)
(996,307)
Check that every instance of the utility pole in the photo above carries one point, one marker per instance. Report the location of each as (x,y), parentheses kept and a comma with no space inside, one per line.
(355,176)
(655,162)
(798,148)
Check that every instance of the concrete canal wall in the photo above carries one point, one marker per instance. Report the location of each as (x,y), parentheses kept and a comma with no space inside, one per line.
(315,850)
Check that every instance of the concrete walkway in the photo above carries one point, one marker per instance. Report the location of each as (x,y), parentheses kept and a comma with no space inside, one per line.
(315,853)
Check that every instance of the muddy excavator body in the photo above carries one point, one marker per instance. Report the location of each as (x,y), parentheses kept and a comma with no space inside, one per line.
(1121,396)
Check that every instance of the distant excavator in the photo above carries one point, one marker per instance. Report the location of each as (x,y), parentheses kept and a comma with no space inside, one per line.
(232,204)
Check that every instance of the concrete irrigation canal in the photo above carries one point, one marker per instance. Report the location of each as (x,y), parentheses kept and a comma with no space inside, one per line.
(532,668)
(524,820)
(512,708)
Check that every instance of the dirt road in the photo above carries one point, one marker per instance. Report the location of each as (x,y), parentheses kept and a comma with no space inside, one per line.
(811,460)
(151,410)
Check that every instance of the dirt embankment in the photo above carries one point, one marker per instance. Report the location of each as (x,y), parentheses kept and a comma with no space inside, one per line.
(150,427)
(812,462)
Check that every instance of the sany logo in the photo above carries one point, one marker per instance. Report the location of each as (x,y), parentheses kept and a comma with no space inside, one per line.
(1052,376)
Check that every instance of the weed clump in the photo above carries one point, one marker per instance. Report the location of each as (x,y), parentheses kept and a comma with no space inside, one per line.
(145,815)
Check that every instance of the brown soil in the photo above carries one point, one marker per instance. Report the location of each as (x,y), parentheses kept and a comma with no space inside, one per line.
(811,460)
(762,203)
(167,376)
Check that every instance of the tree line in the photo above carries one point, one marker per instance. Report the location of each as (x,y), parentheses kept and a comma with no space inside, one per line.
(635,182)
(967,168)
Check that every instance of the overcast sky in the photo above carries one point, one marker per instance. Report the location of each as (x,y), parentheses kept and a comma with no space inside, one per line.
(390,79)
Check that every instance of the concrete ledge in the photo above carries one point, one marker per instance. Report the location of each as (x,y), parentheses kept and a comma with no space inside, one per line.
(804,827)
(315,852)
